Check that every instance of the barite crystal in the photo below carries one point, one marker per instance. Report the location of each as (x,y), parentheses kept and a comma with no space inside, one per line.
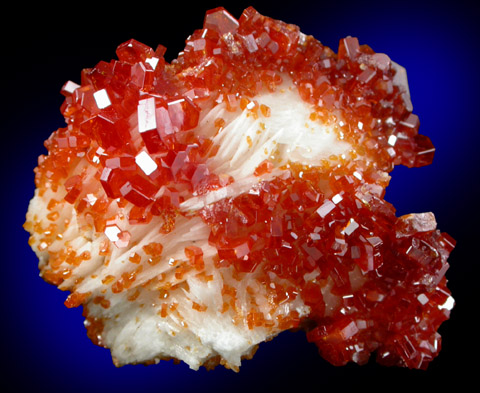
(198,208)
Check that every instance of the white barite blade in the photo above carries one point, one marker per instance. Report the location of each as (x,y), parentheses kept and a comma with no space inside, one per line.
(195,322)
(400,80)
(288,133)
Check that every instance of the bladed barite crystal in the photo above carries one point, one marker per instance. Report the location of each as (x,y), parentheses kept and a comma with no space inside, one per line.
(198,208)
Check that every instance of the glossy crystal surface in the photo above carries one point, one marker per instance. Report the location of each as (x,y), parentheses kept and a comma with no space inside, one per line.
(318,229)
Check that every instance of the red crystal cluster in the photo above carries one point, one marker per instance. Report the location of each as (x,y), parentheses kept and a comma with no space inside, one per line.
(134,120)
(296,229)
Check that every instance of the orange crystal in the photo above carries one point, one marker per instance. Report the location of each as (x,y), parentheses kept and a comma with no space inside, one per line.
(288,223)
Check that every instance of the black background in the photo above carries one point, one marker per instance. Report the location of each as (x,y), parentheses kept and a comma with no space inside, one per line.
(44,345)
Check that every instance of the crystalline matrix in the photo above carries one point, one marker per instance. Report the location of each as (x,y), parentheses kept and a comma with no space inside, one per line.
(198,208)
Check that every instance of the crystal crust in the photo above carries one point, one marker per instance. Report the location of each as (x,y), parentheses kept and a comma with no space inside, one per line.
(138,177)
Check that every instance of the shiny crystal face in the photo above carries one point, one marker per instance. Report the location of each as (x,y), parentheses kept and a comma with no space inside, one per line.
(198,208)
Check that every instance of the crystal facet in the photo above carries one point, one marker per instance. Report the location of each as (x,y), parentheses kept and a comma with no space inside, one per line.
(242,186)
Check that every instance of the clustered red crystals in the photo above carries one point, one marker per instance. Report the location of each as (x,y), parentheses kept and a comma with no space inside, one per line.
(294,229)
(223,62)
(134,119)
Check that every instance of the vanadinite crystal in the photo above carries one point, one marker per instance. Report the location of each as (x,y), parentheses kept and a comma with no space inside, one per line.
(198,208)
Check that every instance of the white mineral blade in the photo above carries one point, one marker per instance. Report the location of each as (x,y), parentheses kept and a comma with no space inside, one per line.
(400,80)
(135,330)
(287,134)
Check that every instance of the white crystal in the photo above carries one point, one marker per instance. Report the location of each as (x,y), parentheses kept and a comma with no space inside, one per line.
(145,162)
(101,99)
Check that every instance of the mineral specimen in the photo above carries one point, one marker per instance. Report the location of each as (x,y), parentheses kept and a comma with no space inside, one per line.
(198,208)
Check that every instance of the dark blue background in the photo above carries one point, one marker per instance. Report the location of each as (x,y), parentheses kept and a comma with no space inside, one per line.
(44,345)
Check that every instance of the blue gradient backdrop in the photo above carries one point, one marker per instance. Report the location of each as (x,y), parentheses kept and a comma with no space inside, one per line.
(44,344)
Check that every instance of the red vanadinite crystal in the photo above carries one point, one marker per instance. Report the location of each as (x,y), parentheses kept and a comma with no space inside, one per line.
(139,104)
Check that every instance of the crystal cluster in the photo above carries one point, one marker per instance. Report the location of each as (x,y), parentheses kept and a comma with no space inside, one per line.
(175,201)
